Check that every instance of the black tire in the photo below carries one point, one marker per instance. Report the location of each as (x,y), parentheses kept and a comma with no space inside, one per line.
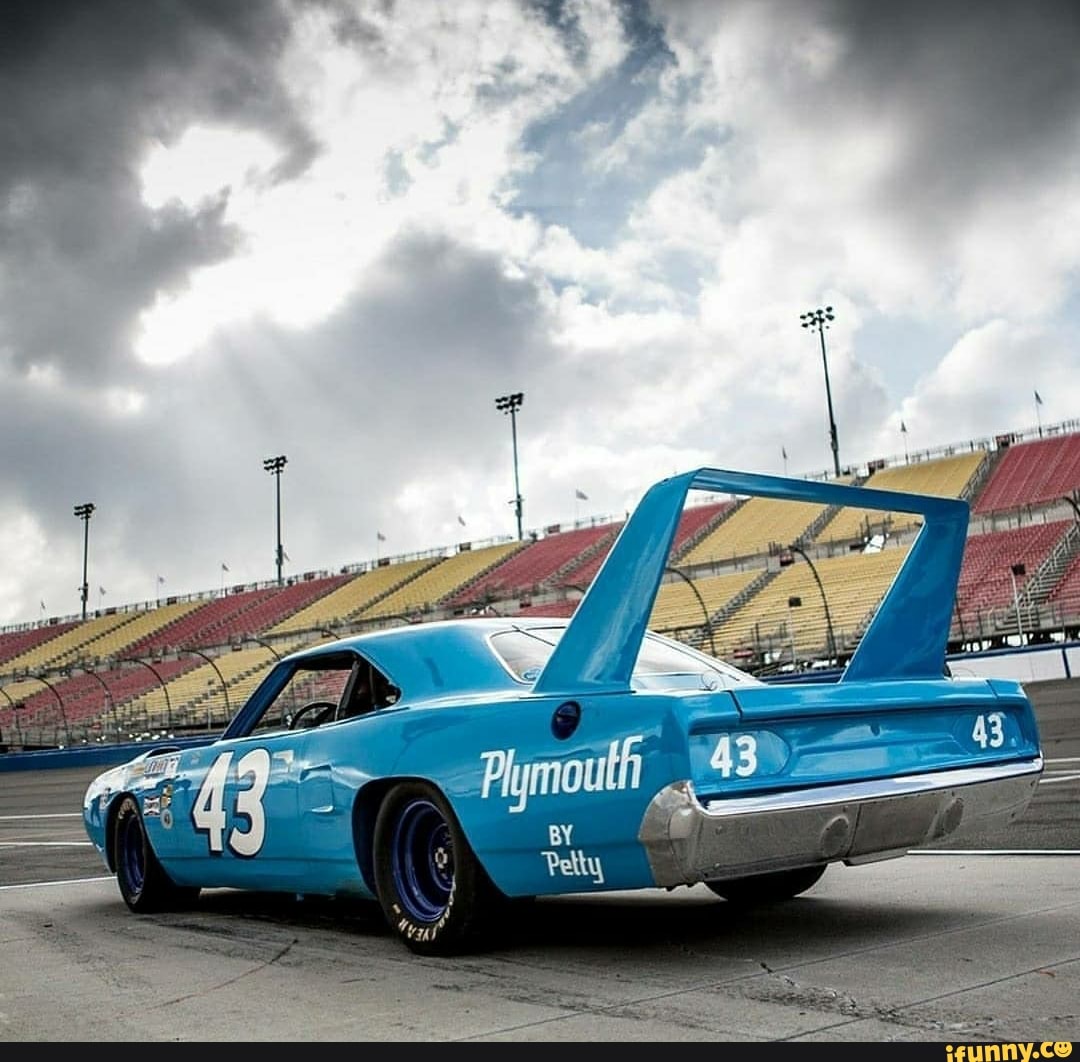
(144,885)
(774,887)
(433,891)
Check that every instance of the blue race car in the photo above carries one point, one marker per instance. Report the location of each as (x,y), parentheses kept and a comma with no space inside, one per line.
(446,769)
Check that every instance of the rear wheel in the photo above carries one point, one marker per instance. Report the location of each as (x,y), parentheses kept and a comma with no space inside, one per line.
(773,887)
(432,889)
(144,885)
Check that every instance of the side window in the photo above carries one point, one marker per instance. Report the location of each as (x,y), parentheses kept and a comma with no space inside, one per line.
(368,690)
(660,659)
(311,696)
(525,652)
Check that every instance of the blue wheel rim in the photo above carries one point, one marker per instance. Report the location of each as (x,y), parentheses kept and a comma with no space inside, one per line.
(131,857)
(423,861)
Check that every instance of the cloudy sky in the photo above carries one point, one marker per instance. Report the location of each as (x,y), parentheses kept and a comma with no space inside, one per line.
(339,230)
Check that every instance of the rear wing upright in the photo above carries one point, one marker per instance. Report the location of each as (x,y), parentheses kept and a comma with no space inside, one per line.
(906,639)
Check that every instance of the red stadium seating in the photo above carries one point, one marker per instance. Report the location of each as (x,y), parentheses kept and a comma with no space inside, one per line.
(14,643)
(208,625)
(526,572)
(1032,473)
(1026,478)
(1065,597)
(695,521)
(986,580)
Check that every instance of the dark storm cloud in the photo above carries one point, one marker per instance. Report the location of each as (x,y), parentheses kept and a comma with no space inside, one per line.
(407,372)
(394,393)
(386,391)
(398,387)
(983,97)
(461,289)
(86,89)
(80,267)
(992,90)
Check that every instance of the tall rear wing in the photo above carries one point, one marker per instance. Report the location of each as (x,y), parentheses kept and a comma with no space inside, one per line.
(907,638)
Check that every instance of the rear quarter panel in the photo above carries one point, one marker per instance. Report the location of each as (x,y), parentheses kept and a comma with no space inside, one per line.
(553,815)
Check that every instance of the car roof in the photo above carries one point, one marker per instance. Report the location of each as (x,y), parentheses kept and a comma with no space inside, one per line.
(441,657)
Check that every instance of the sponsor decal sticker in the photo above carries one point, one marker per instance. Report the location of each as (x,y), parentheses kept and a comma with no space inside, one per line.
(163,767)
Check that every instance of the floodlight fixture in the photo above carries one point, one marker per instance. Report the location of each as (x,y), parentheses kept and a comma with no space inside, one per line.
(83,512)
(274,466)
(511,404)
(818,319)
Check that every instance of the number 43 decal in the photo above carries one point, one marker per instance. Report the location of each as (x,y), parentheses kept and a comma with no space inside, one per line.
(742,761)
(989,730)
(209,811)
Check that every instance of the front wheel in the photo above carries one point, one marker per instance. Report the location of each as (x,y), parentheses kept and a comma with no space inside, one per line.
(144,885)
(432,889)
(774,887)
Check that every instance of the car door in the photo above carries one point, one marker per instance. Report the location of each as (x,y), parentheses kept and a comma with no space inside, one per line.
(230,814)
(233,808)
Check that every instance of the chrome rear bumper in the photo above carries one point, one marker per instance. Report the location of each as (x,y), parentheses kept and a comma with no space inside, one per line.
(688,842)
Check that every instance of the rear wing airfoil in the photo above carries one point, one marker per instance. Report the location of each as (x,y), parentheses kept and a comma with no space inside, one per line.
(907,638)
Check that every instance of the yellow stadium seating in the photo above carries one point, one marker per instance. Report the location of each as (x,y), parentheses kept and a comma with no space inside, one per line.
(350,599)
(854,585)
(945,477)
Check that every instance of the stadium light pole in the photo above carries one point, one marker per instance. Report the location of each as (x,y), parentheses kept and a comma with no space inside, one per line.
(511,404)
(83,513)
(274,465)
(817,319)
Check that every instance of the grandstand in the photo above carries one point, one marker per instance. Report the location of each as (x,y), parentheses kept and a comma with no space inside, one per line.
(1007,573)
(764,583)
(216,621)
(438,582)
(756,527)
(14,644)
(1032,473)
(695,523)
(347,600)
(693,605)
(951,476)
(209,694)
(792,614)
(536,567)
(1063,600)
(74,644)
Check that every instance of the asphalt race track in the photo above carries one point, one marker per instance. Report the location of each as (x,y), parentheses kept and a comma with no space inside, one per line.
(960,945)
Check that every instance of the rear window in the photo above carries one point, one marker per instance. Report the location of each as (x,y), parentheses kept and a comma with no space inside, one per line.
(661,664)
